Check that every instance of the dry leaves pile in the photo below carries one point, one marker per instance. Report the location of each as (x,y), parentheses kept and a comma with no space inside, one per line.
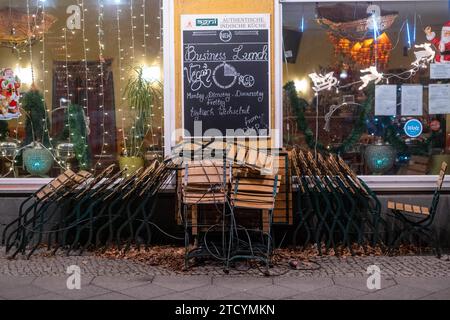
(168,257)
(172,258)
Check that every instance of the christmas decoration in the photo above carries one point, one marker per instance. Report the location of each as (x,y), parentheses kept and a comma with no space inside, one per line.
(16,31)
(75,134)
(424,57)
(380,158)
(441,43)
(323,82)
(9,95)
(37,122)
(37,160)
(371,74)
(299,105)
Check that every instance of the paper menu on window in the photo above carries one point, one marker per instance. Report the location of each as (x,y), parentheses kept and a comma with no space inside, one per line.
(386,100)
(440,71)
(439,98)
(412,100)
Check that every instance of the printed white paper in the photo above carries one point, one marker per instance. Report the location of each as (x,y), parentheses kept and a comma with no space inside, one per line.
(412,100)
(439,98)
(440,71)
(386,100)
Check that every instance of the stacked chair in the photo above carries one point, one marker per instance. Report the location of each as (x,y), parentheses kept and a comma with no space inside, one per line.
(213,195)
(79,211)
(334,207)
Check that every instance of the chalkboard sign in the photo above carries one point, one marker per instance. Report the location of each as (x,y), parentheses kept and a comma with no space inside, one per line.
(226,75)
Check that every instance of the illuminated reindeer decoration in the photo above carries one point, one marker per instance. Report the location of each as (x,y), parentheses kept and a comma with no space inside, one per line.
(424,56)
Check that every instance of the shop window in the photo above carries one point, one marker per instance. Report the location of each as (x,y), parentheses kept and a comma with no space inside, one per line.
(382,110)
(80,85)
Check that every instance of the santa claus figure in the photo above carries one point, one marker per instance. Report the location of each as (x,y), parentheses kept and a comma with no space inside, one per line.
(442,44)
(10,95)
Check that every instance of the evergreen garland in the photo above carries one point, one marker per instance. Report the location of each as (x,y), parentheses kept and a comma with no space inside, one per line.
(390,132)
(33,104)
(74,117)
(299,105)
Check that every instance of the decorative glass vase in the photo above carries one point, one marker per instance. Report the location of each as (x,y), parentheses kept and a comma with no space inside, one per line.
(380,158)
(37,160)
(132,164)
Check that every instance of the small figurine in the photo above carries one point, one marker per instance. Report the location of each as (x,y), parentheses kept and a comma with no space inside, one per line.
(442,44)
(10,94)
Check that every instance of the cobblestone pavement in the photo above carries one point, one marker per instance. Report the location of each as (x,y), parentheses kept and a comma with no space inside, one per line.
(42,277)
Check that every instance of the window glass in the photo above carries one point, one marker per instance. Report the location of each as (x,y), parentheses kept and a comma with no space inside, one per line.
(380,108)
(80,85)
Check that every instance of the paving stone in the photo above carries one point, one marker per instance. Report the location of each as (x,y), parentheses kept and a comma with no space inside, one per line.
(48,296)
(398,292)
(273,292)
(242,283)
(360,283)
(148,291)
(240,296)
(117,283)
(111,296)
(338,292)
(308,296)
(177,296)
(304,284)
(56,283)
(8,280)
(21,292)
(182,283)
(431,284)
(84,293)
(440,295)
(212,292)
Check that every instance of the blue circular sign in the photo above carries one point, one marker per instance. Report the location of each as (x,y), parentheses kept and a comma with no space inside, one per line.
(413,128)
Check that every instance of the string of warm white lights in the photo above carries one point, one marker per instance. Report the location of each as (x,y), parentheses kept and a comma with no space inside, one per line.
(46,129)
(160,53)
(133,27)
(121,79)
(101,48)
(143,15)
(30,45)
(85,60)
(66,86)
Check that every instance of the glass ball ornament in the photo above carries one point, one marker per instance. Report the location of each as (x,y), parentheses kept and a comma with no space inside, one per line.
(37,160)
(380,158)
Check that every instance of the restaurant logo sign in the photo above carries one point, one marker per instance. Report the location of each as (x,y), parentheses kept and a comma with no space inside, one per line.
(211,22)
(413,128)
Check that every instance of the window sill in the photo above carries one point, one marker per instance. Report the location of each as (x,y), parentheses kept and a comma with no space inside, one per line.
(376,183)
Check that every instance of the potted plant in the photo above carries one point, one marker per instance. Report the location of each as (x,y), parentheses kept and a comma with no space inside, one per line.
(142,95)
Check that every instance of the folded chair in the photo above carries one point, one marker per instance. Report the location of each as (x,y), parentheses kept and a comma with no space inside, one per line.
(254,192)
(417,220)
(203,183)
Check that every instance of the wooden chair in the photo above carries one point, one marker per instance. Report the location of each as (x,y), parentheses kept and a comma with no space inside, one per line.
(203,183)
(417,219)
(254,192)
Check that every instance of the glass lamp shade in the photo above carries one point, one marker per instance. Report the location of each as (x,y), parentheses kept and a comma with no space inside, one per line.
(38,161)
(65,151)
(380,158)
(8,149)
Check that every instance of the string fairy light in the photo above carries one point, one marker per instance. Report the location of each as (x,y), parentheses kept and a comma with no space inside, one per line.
(66,86)
(145,26)
(121,78)
(132,18)
(46,131)
(101,48)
